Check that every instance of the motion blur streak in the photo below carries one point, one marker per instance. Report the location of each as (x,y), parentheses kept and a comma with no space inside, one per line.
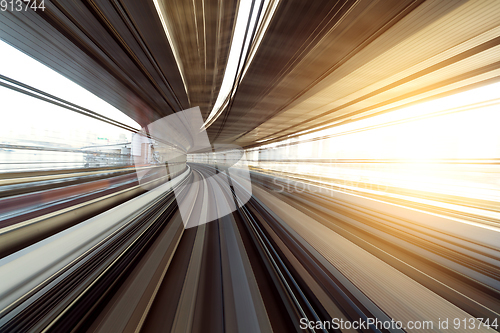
(250,166)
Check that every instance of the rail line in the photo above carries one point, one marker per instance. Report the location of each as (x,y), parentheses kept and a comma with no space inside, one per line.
(277,262)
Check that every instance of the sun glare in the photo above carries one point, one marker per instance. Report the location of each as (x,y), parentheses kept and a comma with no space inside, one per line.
(464,125)
(448,146)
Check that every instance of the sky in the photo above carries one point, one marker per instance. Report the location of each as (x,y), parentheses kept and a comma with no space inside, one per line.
(27,117)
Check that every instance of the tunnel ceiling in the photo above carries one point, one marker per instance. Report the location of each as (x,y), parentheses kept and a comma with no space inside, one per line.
(119,51)
(201,34)
(320,63)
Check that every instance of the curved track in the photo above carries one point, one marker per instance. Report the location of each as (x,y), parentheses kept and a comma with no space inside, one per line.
(276,263)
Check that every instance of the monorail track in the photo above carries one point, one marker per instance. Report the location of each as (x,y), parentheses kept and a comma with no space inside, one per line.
(36,211)
(274,264)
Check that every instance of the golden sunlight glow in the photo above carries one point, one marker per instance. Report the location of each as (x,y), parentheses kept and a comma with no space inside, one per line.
(448,146)
(463,125)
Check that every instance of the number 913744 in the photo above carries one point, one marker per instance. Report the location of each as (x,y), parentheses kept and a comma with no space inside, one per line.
(21,5)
